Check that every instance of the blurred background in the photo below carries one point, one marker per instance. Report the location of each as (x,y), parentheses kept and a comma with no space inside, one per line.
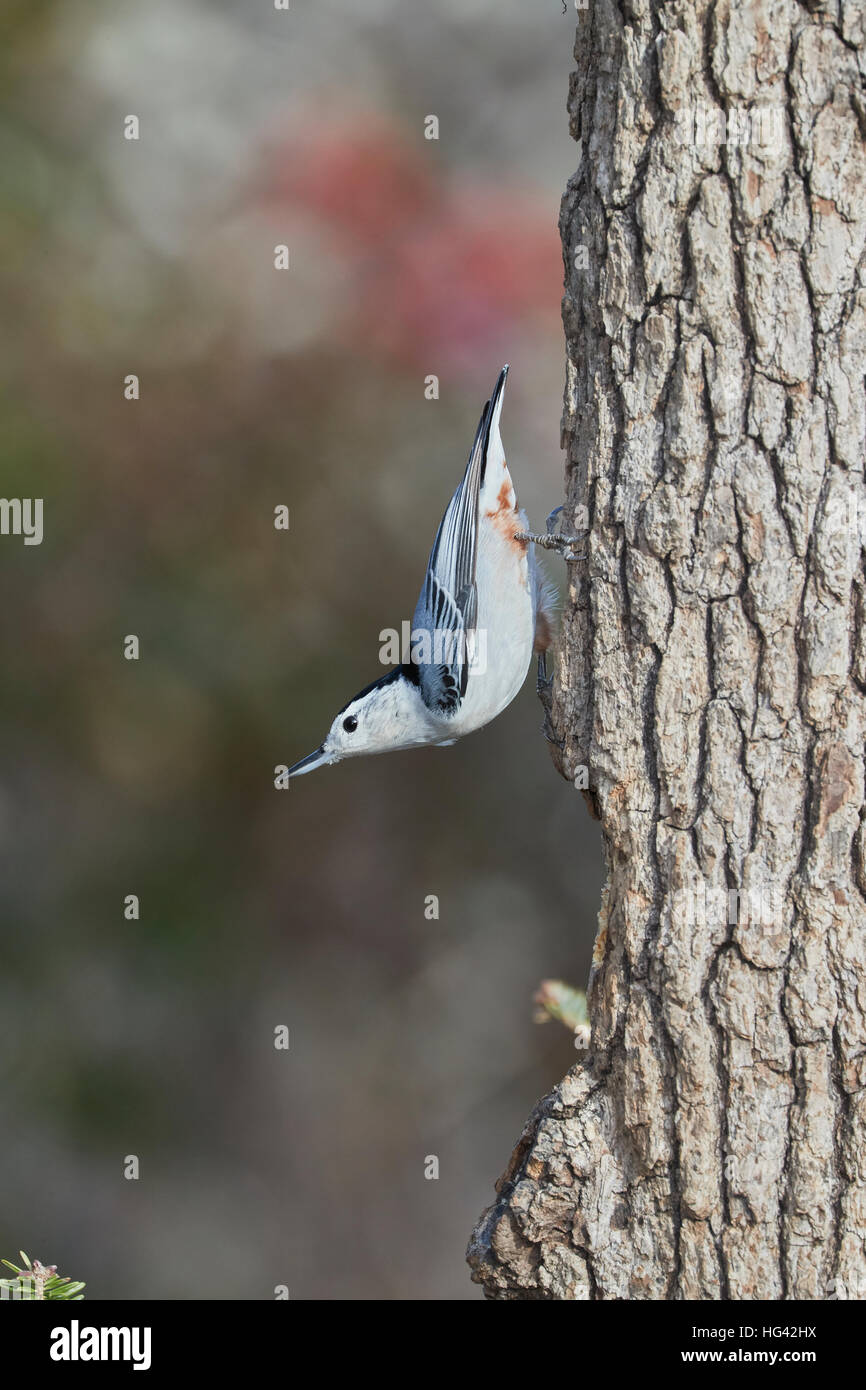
(409,257)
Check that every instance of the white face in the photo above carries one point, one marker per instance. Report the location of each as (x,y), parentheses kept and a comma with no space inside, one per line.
(386,717)
(362,727)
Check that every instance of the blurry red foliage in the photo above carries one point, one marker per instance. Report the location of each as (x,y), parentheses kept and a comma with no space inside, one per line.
(440,266)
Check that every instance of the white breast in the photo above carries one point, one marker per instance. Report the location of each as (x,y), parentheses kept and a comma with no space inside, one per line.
(506,619)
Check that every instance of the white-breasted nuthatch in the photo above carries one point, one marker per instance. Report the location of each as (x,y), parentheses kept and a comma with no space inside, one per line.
(484,608)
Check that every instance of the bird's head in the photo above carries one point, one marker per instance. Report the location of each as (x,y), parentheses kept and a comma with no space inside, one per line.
(385,715)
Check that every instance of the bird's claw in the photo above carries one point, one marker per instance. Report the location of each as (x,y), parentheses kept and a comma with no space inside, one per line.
(544,688)
(565,545)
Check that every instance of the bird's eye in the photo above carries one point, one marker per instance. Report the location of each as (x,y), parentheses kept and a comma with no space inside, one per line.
(350,723)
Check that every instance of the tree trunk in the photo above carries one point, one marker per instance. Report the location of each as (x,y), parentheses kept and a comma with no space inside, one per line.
(712,667)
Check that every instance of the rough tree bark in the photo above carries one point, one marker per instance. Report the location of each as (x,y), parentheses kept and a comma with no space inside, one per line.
(712,668)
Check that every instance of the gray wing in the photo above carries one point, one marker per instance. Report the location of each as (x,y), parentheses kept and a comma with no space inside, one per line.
(447,609)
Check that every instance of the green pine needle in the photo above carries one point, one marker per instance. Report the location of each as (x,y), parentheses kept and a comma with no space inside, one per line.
(37,1281)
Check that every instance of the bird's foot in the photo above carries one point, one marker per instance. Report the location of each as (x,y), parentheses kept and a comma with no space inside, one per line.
(565,545)
(544,688)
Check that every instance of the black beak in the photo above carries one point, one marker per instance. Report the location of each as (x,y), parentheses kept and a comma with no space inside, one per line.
(318,759)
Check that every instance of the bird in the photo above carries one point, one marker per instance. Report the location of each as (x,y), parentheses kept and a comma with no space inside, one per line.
(484,608)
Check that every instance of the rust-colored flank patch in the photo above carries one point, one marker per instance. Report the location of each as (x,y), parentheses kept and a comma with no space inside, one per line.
(505,500)
(543,632)
(505,516)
